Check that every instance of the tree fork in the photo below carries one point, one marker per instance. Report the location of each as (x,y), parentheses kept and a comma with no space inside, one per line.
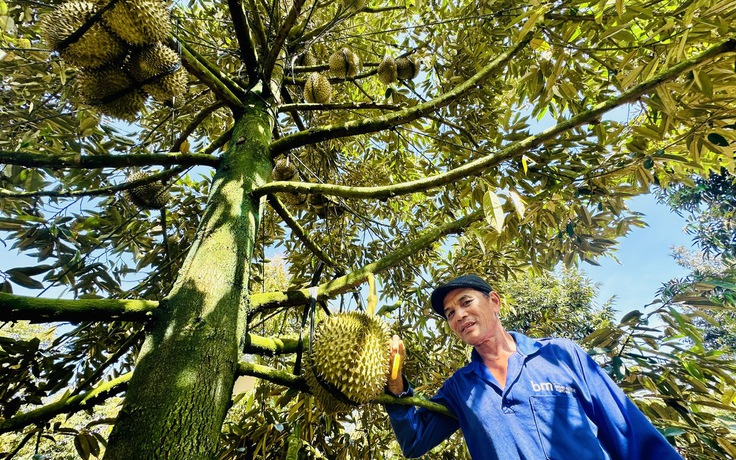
(182,384)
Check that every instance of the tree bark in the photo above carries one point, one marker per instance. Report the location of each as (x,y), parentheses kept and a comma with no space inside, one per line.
(180,391)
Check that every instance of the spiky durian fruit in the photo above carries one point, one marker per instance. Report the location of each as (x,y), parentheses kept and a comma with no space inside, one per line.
(306,59)
(344,64)
(138,22)
(112,92)
(95,48)
(284,169)
(294,199)
(149,196)
(387,72)
(317,89)
(159,60)
(350,355)
(407,68)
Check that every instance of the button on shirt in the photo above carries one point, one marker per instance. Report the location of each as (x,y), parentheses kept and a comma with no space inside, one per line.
(557,404)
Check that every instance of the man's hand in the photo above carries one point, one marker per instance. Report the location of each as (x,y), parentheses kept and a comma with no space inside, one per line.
(397,358)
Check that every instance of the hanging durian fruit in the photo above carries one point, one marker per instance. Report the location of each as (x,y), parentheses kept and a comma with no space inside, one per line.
(149,196)
(160,60)
(350,357)
(344,64)
(387,71)
(306,59)
(95,48)
(284,169)
(138,22)
(111,91)
(407,68)
(317,89)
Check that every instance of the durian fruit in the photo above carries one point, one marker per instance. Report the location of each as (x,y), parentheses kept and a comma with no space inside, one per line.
(159,60)
(95,48)
(407,68)
(138,22)
(149,196)
(350,355)
(284,169)
(306,59)
(317,89)
(110,91)
(344,64)
(387,70)
(294,199)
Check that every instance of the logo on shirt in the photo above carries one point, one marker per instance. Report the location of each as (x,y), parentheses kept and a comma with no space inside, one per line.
(551,387)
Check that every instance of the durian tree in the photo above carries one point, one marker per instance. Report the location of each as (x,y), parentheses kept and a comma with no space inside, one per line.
(156,156)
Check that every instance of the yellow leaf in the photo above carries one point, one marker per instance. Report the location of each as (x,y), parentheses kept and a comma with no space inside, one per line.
(493,210)
(184,147)
(518,204)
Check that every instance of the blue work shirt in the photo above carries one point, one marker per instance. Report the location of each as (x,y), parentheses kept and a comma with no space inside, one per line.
(557,404)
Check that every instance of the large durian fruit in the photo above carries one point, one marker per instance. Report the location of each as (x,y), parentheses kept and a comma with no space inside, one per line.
(138,22)
(387,72)
(95,48)
(111,91)
(149,196)
(317,89)
(284,169)
(344,64)
(349,361)
(159,61)
(407,68)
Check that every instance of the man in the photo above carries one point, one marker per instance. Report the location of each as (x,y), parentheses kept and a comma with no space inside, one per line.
(521,398)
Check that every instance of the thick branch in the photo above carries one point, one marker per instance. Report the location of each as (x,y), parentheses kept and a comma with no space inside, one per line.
(259,345)
(338,106)
(278,44)
(290,380)
(242,33)
(369,125)
(206,75)
(15,307)
(258,29)
(97,191)
(66,405)
(300,233)
(513,150)
(270,300)
(40,160)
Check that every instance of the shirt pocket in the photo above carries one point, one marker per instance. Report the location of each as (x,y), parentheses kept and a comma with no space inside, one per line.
(564,431)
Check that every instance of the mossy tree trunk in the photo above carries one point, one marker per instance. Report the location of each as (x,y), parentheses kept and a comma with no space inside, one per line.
(180,391)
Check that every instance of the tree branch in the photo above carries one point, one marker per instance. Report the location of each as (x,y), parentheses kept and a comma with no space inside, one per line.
(201,116)
(242,33)
(34,309)
(290,380)
(369,125)
(270,300)
(258,29)
(278,44)
(66,405)
(219,142)
(214,79)
(258,345)
(97,191)
(513,150)
(298,230)
(338,106)
(40,160)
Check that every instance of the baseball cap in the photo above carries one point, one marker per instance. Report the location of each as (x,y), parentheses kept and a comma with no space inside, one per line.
(464,281)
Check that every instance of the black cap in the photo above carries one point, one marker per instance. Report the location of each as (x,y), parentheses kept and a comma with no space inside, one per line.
(465,281)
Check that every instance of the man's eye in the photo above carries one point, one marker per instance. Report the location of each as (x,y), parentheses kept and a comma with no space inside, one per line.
(450,313)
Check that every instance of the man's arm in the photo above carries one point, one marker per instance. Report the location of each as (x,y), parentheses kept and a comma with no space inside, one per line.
(417,430)
(624,431)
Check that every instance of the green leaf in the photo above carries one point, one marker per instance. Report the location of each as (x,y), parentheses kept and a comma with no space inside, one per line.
(493,210)
(24,280)
(717,139)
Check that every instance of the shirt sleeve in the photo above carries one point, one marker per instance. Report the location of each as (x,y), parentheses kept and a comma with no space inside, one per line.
(623,430)
(419,430)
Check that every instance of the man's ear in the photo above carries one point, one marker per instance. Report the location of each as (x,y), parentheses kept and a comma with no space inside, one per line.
(495,301)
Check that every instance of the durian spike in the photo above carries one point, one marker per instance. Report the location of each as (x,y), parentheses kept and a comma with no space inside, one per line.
(372,297)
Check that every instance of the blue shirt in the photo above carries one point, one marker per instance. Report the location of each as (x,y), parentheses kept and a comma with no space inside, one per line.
(557,404)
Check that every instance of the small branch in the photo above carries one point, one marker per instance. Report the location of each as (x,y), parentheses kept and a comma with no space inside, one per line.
(124,348)
(97,191)
(270,300)
(258,345)
(219,142)
(41,160)
(208,77)
(414,401)
(66,405)
(513,150)
(300,233)
(258,29)
(201,116)
(339,106)
(34,309)
(369,125)
(277,47)
(242,33)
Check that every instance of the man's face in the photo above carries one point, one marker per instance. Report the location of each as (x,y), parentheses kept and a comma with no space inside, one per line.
(471,314)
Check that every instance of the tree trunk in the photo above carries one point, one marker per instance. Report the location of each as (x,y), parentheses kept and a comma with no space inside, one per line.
(181,389)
